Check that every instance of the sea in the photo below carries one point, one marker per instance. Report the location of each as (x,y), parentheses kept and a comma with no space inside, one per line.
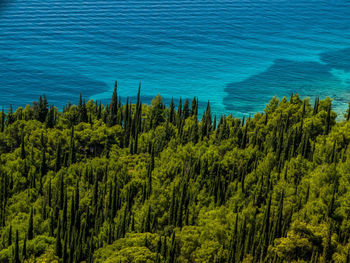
(237,54)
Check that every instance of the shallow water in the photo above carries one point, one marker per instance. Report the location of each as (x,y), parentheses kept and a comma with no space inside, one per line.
(237,54)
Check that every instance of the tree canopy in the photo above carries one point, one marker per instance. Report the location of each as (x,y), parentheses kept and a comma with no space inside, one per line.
(155,183)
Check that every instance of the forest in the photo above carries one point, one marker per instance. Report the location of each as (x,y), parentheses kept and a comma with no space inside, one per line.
(127,181)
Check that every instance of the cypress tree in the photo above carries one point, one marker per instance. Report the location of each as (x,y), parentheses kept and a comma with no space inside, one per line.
(30,226)
(16,256)
(24,249)
(52,224)
(43,165)
(23,152)
(126,113)
(72,214)
(9,238)
(347,257)
(82,111)
(113,112)
(41,109)
(179,113)
(244,138)
(49,194)
(149,175)
(186,110)
(233,246)
(207,121)
(138,109)
(61,192)
(71,252)
(266,230)
(327,250)
(194,107)
(65,210)
(214,123)
(10,116)
(315,111)
(99,111)
(172,252)
(328,119)
(194,132)
(58,247)
(3,117)
(278,227)
(50,119)
(242,240)
(96,193)
(76,197)
(147,226)
(164,250)
(172,208)
(120,117)
(65,252)
(159,245)
(172,112)
(72,148)
(58,156)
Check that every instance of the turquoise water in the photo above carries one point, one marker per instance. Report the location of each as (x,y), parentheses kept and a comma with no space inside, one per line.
(237,54)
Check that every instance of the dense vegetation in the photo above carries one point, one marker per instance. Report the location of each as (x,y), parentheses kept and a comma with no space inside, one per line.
(150,183)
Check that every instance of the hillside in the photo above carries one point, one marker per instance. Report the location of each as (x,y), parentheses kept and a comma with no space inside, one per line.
(156,183)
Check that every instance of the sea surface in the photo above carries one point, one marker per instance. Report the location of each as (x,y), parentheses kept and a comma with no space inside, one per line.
(236,53)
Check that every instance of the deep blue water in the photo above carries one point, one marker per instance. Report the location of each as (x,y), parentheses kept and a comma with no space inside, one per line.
(235,53)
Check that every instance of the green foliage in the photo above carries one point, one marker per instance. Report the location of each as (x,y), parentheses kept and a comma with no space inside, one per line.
(150,183)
